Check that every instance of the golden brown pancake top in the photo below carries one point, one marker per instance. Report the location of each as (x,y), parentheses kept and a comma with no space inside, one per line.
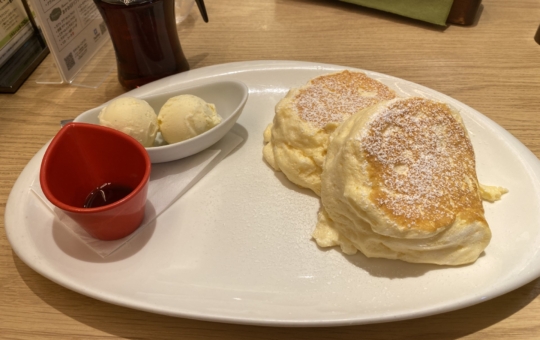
(335,97)
(421,165)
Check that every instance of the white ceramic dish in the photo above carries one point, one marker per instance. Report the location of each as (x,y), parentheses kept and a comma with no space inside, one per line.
(229,97)
(237,248)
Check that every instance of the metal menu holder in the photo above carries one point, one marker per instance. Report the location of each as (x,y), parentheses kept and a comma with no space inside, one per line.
(22,48)
(78,40)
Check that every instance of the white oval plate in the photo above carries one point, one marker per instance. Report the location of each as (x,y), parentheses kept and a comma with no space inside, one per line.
(229,97)
(236,248)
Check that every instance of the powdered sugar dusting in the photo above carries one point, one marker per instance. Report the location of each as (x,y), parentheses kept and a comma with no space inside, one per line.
(421,163)
(335,97)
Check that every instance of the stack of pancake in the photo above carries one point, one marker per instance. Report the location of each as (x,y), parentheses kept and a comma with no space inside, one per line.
(298,138)
(396,176)
(399,182)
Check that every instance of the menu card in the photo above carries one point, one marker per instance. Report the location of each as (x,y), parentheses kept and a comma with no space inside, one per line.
(435,12)
(74,31)
(15,28)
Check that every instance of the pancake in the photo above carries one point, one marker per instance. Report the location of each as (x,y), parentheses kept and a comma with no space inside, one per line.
(297,140)
(400,182)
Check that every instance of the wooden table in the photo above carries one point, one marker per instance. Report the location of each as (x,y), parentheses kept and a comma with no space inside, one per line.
(493,66)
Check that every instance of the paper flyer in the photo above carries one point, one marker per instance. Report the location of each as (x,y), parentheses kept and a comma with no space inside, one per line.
(74,31)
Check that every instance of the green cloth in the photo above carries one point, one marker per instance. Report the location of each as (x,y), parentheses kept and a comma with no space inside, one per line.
(433,11)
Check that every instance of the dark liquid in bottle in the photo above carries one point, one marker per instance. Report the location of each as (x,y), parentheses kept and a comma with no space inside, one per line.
(145,40)
(106,194)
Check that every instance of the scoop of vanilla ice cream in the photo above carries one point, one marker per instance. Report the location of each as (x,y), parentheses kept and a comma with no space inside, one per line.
(132,116)
(186,116)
